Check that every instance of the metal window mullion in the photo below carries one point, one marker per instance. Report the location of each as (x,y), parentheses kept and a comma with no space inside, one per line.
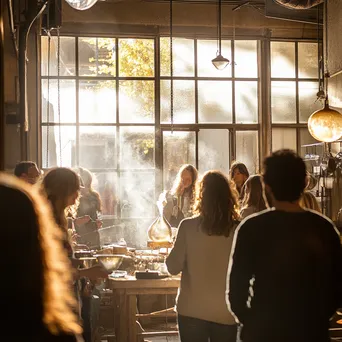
(233,130)
(117,135)
(196,102)
(233,81)
(158,147)
(77,147)
(297,97)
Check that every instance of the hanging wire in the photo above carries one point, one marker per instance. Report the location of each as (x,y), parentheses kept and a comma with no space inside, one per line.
(171,63)
(233,57)
(218,29)
(48,100)
(326,47)
(59,94)
(320,81)
(220,26)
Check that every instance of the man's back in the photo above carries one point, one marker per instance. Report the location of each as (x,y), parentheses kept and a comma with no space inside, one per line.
(295,260)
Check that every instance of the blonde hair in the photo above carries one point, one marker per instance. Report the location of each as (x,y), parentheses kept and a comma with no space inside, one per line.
(309,201)
(177,185)
(50,279)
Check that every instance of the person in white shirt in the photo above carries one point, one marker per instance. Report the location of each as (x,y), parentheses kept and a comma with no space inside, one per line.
(201,252)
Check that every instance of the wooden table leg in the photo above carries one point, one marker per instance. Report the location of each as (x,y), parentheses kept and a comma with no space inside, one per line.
(132,311)
(120,317)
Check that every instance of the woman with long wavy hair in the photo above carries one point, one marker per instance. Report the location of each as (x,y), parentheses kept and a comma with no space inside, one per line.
(37,300)
(254,197)
(178,202)
(62,187)
(201,252)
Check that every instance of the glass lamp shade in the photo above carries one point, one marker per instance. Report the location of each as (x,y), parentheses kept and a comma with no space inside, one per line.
(81,5)
(220,62)
(326,124)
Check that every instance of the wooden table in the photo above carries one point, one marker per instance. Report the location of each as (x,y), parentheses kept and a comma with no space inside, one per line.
(125,292)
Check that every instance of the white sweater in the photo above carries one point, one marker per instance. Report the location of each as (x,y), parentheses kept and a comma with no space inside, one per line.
(203,261)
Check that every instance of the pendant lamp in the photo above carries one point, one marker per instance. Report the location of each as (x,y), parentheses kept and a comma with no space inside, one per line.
(325,124)
(219,61)
(81,5)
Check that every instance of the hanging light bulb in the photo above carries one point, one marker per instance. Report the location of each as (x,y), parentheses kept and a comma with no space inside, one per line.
(325,124)
(219,61)
(81,5)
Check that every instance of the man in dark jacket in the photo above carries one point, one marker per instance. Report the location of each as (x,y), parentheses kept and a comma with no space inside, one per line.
(285,275)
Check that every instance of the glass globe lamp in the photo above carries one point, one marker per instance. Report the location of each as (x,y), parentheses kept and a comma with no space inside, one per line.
(220,62)
(325,124)
(81,5)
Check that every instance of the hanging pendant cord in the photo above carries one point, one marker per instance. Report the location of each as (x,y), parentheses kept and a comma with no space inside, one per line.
(320,66)
(171,63)
(218,29)
(59,94)
(219,26)
(48,101)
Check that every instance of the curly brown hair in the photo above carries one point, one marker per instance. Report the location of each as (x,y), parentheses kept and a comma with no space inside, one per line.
(38,266)
(216,204)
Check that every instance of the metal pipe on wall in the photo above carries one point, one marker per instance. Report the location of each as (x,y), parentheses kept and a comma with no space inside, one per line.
(2,89)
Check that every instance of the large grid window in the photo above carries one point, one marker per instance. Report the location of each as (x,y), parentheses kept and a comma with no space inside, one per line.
(114,113)
(294,85)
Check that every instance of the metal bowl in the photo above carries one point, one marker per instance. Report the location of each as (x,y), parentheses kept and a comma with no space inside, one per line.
(111,262)
(89,262)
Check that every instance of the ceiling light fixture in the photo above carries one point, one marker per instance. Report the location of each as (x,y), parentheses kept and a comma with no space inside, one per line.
(325,124)
(81,5)
(219,61)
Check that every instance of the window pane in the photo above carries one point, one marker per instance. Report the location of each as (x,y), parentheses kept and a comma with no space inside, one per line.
(246,58)
(213,150)
(178,149)
(97,101)
(308,60)
(136,103)
(206,52)
(96,56)
(136,57)
(183,56)
(183,101)
(215,101)
(67,56)
(136,147)
(283,59)
(283,102)
(246,102)
(67,101)
(307,139)
(55,140)
(284,138)
(247,149)
(137,194)
(97,147)
(106,184)
(308,102)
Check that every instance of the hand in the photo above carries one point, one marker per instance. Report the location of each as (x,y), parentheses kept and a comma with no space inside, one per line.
(94,273)
(98,224)
(82,220)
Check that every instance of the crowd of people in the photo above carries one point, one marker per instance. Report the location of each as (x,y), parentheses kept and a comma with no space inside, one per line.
(258,261)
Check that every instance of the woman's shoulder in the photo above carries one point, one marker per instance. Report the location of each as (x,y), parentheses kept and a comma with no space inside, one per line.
(193,221)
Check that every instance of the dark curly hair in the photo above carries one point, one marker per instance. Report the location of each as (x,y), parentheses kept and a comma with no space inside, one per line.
(216,204)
